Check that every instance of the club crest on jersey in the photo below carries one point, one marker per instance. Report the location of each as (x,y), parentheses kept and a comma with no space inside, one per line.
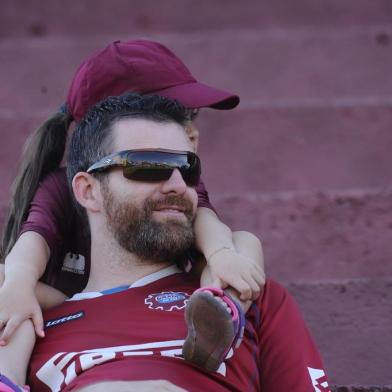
(167,301)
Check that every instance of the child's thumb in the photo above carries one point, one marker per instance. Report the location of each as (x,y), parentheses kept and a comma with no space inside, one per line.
(38,324)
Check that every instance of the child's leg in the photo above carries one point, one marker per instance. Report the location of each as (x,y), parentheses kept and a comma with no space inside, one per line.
(14,357)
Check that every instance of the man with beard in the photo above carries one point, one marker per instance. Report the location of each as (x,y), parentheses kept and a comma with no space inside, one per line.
(134,177)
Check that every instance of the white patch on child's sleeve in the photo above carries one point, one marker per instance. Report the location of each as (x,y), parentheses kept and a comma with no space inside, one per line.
(74,263)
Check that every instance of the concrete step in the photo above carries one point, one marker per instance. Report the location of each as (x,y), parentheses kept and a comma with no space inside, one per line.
(14,134)
(350,321)
(267,149)
(317,236)
(296,148)
(272,68)
(51,17)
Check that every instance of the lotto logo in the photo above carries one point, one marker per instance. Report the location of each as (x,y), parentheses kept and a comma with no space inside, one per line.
(64,319)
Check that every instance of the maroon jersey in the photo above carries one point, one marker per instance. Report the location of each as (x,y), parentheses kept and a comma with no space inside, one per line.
(136,333)
(54,217)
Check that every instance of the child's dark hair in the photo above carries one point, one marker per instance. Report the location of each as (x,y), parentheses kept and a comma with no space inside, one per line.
(42,153)
(91,140)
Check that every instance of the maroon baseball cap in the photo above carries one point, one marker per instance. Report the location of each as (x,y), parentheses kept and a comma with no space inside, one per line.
(144,67)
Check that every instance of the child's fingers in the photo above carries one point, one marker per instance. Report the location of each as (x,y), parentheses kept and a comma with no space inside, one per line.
(9,330)
(3,321)
(255,287)
(244,289)
(38,324)
(248,295)
(248,288)
(256,280)
(259,275)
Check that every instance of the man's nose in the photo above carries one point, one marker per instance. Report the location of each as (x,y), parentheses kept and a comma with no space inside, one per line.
(175,184)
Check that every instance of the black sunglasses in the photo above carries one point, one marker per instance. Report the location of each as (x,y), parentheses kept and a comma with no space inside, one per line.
(152,165)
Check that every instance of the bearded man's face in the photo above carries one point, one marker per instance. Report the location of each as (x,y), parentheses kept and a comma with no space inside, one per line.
(138,231)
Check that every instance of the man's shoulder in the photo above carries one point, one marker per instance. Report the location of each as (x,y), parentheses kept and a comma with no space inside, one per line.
(276,296)
(274,288)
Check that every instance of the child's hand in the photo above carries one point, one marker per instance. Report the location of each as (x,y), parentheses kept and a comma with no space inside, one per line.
(229,268)
(16,305)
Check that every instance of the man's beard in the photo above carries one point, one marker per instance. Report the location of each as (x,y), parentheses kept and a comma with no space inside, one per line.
(136,231)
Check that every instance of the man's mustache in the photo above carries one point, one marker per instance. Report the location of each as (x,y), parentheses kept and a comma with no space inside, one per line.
(172,200)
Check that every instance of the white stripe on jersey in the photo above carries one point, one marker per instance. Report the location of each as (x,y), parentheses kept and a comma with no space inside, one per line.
(61,368)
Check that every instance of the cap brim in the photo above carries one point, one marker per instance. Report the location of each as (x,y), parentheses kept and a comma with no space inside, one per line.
(198,95)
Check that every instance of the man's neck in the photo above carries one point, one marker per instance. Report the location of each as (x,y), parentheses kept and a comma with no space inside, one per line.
(112,266)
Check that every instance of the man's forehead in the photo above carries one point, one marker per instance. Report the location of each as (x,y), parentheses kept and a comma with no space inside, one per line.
(134,133)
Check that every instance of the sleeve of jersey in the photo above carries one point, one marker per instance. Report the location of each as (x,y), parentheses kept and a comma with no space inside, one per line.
(202,194)
(50,210)
(288,356)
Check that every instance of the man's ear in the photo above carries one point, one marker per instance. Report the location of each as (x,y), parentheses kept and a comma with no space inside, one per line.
(87,191)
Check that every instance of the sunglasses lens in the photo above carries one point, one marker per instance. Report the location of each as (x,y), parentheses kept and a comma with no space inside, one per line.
(159,165)
(146,173)
(191,173)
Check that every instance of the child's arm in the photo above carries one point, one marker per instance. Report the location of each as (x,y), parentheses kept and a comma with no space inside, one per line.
(228,266)
(24,265)
(14,357)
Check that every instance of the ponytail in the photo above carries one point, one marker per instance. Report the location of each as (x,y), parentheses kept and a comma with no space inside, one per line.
(43,152)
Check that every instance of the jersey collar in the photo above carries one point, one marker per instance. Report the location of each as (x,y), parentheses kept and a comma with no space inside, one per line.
(163,273)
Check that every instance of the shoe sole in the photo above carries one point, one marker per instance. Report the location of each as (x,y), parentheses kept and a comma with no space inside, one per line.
(210,331)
